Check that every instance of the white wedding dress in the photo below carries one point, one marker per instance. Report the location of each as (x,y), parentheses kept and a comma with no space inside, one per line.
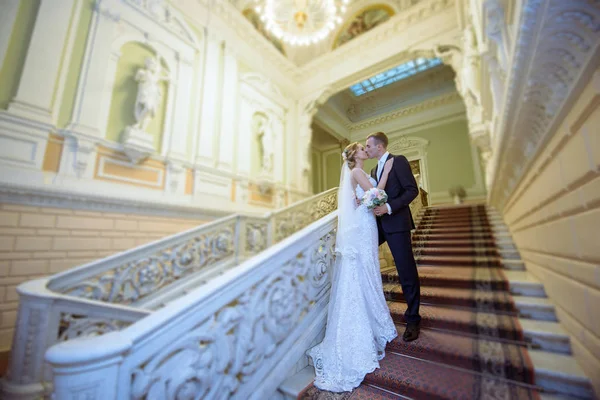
(359,324)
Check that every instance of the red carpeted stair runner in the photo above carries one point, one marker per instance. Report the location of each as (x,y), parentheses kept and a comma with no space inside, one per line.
(471,344)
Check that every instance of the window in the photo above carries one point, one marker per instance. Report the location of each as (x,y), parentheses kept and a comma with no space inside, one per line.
(395,74)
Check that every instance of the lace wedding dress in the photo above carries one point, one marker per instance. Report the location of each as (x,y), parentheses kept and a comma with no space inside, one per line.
(359,324)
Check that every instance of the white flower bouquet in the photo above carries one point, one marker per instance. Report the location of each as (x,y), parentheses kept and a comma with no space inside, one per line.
(374,197)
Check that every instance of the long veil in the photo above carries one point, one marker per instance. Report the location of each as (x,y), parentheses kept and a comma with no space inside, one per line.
(347,224)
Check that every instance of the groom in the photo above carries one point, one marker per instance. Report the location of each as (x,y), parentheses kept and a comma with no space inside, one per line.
(394,224)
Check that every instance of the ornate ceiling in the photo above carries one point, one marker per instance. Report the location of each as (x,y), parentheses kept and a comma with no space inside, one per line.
(361,16)
(345,114)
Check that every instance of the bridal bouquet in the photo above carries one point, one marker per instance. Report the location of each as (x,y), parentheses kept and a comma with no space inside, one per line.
(374,197)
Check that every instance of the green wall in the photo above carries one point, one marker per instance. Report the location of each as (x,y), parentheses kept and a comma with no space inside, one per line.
(12,68)
(316,171)
(448,156)
(125,91)
(325,165)
(333,168)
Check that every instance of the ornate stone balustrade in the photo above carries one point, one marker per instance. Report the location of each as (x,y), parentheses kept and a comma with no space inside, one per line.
(297,216)
(231,338)
(112,293)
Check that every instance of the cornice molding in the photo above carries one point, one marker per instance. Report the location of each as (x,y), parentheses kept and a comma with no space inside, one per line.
(541,83)
(429,104)
(47,197)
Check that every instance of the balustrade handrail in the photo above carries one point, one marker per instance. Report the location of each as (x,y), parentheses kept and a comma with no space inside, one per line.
(228,240)
(302,202)
(63,279)
(220,341)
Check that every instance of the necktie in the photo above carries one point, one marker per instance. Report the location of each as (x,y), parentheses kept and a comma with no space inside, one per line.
(379,168)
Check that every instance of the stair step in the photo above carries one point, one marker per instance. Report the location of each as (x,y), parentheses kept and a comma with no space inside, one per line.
(459,261)
(460,219)
(455,230)
(522,283)
(471,353)
(457,251)
(428,224)
(454,243)
(502,244)
(513,264)
(546,335)
(450,236)
(465,298)
(543,335)
(560,373)
(460,277)
(537,308)
(420,379)
(292,386)
(493,301)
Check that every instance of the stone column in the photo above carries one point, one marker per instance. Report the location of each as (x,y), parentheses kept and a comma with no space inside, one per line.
(480,136)
(39,78)
(178,113)
(210,115)
(229,101)
(304,149)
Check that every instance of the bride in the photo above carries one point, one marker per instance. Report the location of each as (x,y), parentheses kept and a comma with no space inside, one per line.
(359,324)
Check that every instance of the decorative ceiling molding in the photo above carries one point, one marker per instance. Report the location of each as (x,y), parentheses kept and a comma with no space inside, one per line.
(407,142)
(429,104)
(565,39)
(431,83)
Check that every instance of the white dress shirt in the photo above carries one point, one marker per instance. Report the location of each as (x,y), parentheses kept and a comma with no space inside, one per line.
(380,165)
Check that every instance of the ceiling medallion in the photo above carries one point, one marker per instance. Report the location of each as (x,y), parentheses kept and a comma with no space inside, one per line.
(301,22)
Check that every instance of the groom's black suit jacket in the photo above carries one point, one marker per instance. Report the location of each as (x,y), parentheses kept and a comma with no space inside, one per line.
(401,189)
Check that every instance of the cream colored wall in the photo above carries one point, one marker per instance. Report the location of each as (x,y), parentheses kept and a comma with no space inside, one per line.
(39,241)
(554,216)
(449,156)
(200,138)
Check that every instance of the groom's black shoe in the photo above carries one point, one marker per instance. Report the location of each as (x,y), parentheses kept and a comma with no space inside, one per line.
(411,333)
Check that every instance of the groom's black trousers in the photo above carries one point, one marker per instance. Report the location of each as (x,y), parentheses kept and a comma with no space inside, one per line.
(401,248)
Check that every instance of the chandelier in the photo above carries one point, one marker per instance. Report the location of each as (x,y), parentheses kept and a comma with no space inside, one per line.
(301,22)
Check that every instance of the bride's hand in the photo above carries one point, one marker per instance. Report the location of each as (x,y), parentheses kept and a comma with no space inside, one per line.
(388,165)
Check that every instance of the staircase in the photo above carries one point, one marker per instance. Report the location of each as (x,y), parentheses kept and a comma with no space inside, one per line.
(488,330)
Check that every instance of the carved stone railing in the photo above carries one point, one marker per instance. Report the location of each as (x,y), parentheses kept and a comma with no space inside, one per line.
(295,217)
(109,294)
(234,338)
(418,203)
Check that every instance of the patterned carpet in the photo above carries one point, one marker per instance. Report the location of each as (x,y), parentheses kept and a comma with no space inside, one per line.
(471,344)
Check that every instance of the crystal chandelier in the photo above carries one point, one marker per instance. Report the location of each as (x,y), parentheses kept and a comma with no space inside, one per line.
(301,22)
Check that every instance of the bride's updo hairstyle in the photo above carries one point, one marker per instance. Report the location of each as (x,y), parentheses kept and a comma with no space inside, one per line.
(349,153)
